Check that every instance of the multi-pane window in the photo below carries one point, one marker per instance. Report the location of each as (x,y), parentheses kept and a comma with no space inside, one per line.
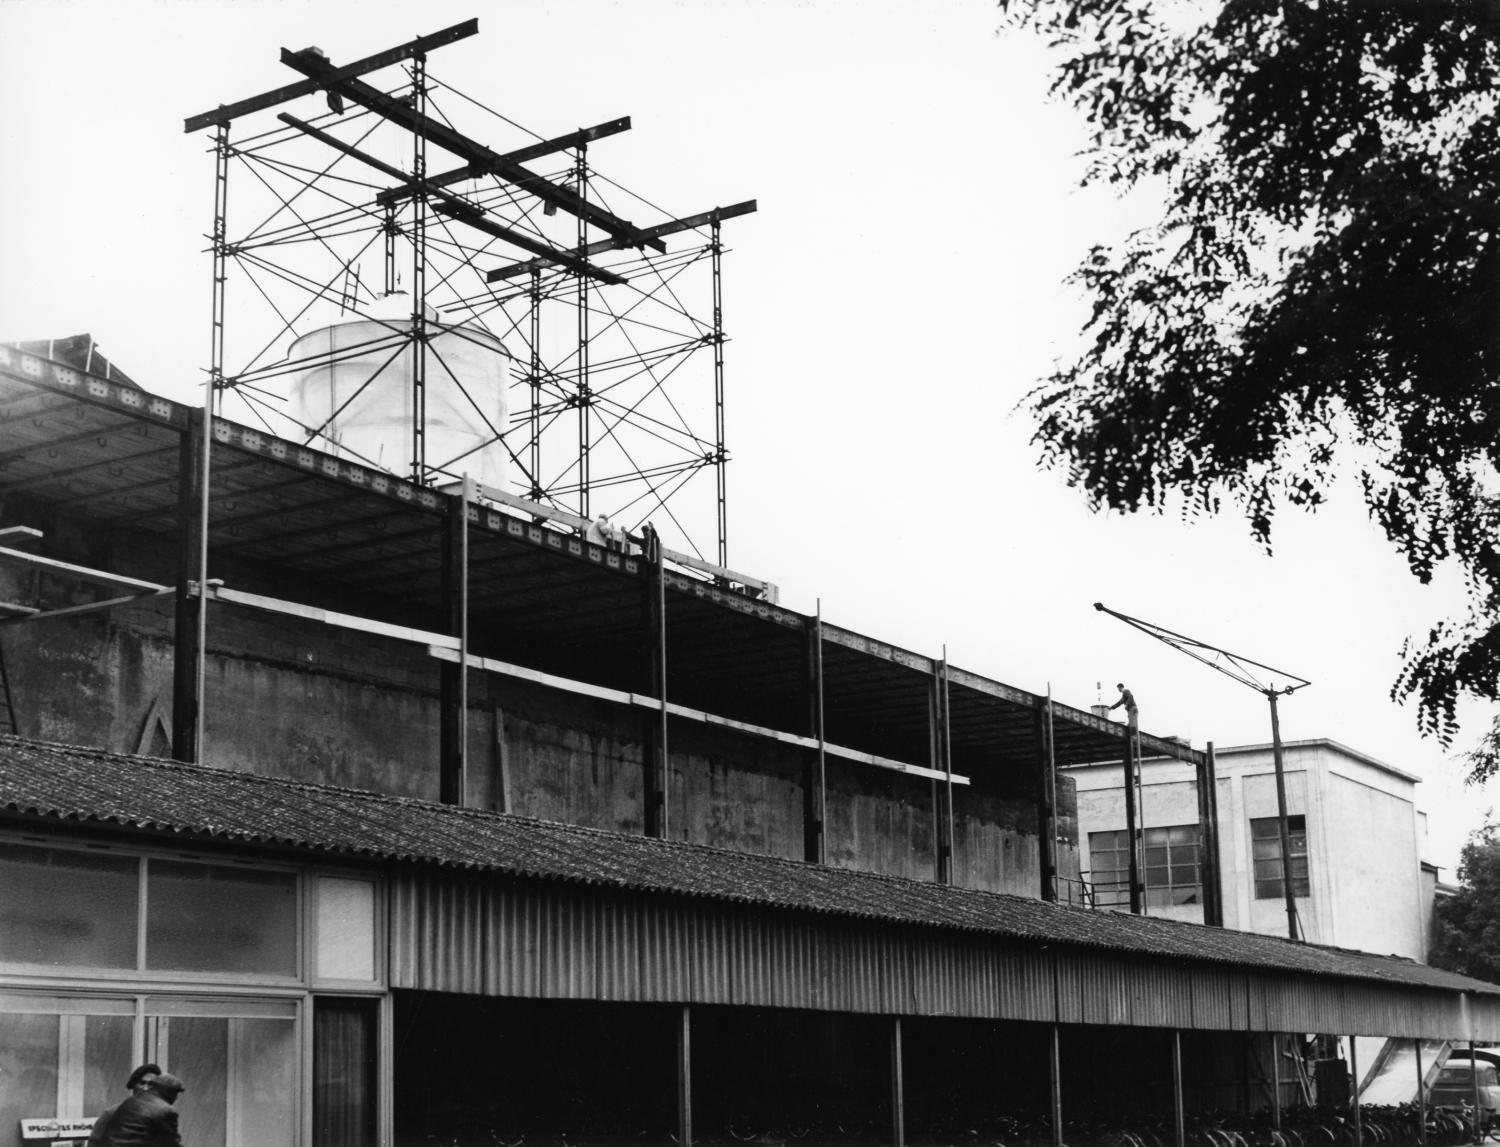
(1265,851)
(1169,872)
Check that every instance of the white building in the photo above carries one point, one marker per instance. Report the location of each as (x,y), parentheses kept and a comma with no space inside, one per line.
(1356,839)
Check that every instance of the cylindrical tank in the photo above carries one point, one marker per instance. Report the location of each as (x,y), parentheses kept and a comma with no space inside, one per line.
(355,388)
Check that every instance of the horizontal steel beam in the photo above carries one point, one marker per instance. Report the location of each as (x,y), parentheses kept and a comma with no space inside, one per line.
(480,159)
(83,573)
(661,229)
(454,205)
(519,155)
(224,113)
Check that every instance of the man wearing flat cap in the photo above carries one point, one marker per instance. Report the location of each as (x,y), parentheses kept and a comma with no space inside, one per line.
(146,1119)
(140,1079)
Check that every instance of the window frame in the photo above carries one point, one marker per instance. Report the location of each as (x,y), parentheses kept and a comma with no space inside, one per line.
(1265,830)
(1119,887)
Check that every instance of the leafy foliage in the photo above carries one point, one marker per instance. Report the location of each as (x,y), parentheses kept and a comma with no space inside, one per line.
(1320,295)
(1468,924)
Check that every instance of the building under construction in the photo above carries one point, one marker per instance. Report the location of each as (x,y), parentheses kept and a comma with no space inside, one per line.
(360,774)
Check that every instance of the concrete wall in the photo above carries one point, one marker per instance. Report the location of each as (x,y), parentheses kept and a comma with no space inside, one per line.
(297,699)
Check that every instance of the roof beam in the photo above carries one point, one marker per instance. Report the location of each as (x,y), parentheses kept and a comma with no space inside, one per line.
(670,228)
(521,155)
(456,206)
(481,159)
(226,112)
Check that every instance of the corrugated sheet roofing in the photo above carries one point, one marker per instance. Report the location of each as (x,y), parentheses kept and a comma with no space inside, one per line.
(89,786)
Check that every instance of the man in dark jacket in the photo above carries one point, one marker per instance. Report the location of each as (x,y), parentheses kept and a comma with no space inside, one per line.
(140,1079)
(146,1119)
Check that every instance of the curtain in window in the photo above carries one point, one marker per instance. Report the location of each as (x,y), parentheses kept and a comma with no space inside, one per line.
(344,1033)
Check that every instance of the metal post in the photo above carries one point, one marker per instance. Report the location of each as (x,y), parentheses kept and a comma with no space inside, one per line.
(1276,1080)
(1134,873)
(1179,1110)
(721,456)
(1359,1128)
(1474,1083)
(1282,830)
(945,763)
(391,231)
(452,714)
(585,394)
(419,273)
(1054,1077)
(815,775)
(685,1077)
(1212,871)
(656,797)
(1421,1095)
(187,648)
(1047,806)
(898,1087)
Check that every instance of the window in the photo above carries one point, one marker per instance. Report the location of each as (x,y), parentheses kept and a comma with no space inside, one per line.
(80,908)
(1169,870)
(1265,850)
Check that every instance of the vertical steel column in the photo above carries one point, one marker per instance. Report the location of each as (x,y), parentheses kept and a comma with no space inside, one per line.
(585,394)
(898,1087)
(187,648)
(685,1077)
(1281,824)
(535,414)
(945,763)
(1054,1078)
(721,456)
(1474,1083)
(1047,804)
(1134,870)
(1276,1080)
(419,273)
(453,715)
(1179,1109)
(1359,1127)
(1421,1095)
(212,387)
(815,773)
(1208,853)
(657,819)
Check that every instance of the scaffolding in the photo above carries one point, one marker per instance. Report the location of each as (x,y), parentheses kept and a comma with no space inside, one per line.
(383,194)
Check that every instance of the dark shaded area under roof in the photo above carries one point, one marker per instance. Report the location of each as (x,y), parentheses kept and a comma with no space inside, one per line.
(330,532)
(63,786)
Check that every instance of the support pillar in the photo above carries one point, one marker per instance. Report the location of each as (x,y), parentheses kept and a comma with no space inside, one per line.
(898,1087)
(943,805)
(1276,1080)
(419,273)
(721,454)
(1054,1079)
(1421,1095)
(1131,832)
(815,773)
(1047,802)
(452,714)
(1359,1127)
(1179,1108)
(187,653)
(1474,1100)
(1282,832)
(1208,841)
(685,1077)
(657,821)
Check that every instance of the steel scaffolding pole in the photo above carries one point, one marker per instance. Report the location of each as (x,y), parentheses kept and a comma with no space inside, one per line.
(720,455)
(419,272)
(584,394)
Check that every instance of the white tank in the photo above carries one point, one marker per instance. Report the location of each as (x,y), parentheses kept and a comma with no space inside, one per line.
(356,384)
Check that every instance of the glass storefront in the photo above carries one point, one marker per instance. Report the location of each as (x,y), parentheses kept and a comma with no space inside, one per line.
(210,969)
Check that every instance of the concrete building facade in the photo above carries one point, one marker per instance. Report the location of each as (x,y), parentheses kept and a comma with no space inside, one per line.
(1356,844)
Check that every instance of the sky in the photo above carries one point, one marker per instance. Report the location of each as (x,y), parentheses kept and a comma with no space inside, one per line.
(898,293)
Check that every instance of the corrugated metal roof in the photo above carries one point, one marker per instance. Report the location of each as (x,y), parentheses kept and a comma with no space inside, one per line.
(70,783)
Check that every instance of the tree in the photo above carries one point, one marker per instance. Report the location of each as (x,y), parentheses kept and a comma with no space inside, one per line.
(1467,924)
(1321,294)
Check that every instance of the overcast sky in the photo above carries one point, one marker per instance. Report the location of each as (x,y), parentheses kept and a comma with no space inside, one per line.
(894,299)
